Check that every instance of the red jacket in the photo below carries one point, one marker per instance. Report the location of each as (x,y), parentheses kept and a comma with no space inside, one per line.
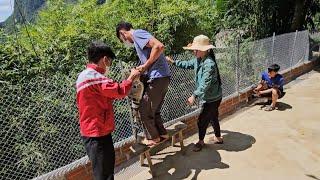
(95,94)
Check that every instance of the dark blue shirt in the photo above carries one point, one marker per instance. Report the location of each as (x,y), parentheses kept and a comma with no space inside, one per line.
(277,80)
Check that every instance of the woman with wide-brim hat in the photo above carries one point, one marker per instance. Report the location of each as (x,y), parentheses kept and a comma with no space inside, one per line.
(208,86)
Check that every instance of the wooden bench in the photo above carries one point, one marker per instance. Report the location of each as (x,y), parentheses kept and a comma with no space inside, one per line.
(144,150)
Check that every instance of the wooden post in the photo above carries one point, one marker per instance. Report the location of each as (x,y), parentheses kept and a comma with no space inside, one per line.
(272,50)
(147,154)
(173,141)
(181,142)
(142,157)
(293,51)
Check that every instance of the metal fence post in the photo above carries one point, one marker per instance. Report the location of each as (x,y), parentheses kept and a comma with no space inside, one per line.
(293,49)
(127,101)
(238,66)
(306,56)
(272,48)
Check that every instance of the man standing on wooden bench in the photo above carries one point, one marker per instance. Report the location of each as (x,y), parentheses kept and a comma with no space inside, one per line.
(155,77)
(271,86)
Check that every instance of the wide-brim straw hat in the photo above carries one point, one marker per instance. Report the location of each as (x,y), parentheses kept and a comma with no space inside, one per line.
(201,43)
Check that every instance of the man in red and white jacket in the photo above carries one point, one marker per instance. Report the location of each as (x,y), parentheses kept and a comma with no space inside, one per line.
(95,94)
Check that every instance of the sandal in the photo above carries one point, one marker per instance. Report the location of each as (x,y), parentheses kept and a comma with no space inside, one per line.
(270,108)
(218,142)
(214,140)
(198,147)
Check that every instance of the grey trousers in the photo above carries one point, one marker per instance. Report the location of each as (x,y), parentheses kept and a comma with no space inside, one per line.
(150,106)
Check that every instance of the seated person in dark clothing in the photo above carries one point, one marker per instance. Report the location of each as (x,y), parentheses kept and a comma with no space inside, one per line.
(271,85)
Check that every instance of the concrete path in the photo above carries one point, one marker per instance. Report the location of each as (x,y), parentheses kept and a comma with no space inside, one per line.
(282,144)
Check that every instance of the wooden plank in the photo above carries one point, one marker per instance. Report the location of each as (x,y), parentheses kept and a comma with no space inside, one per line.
(173,130)
(177,126)
(138,148)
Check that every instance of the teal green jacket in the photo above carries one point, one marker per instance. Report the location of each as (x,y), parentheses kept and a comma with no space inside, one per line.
(208,88)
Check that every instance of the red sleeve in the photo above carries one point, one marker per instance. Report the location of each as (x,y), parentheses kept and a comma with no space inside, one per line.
(116,90)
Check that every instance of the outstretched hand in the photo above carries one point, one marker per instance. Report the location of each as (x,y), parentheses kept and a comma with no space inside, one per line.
(134,74)
(141,68)
(169,59)
(191,100)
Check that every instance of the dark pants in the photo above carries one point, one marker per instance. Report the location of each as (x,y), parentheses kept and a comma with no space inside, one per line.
(209,114)
(150,106)
(102,156)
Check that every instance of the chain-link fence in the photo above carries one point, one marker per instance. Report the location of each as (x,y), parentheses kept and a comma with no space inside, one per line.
(315,36)
(315,42)
(39,119)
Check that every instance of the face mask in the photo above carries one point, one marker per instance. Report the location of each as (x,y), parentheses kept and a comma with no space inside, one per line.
(107,68)
(128,44)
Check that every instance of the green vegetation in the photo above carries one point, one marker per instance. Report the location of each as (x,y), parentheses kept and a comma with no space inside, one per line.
(56,41)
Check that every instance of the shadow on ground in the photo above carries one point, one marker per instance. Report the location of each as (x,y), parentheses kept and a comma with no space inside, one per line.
(179,166)
(312,176)
(317,69)
(281,106)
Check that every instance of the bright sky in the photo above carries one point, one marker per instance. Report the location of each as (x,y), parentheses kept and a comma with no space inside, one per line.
(6,9)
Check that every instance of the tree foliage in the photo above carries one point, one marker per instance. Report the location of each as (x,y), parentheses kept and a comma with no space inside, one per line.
(260,18)
(57,41)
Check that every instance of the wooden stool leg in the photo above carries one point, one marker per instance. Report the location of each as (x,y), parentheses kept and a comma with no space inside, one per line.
(181,142)
(142,157)
(147,154)
(173,141)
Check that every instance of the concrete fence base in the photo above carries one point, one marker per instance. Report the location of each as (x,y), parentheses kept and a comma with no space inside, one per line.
(81,169)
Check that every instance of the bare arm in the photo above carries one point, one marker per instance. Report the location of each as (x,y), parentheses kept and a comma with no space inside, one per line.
(156,49)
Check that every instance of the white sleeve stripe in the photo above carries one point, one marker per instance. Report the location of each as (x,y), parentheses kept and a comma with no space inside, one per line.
(93,83)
